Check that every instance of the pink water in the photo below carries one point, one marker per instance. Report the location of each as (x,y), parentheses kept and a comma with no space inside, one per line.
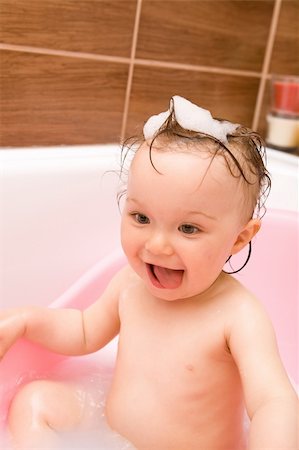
(271,274)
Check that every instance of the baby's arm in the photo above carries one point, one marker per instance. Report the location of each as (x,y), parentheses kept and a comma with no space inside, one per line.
(66,331)
(272,403)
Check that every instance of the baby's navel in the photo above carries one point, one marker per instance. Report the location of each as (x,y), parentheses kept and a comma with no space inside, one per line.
(190,367)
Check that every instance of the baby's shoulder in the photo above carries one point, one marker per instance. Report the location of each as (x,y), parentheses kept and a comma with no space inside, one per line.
(240,300)
(243,306)
(236,290)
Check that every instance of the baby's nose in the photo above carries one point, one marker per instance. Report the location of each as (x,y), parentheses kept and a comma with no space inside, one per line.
(159,244)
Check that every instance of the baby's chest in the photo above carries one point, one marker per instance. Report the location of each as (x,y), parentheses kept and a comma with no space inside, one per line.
(178,365)
(168,341)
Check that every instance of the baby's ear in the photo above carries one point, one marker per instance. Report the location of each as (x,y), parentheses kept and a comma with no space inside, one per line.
(246,235)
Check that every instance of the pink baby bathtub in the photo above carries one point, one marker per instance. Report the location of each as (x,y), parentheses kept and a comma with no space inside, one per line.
(271,274)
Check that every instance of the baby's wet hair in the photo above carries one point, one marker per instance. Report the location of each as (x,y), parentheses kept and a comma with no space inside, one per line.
(244,154)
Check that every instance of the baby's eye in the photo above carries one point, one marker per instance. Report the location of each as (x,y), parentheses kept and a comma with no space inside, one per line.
(141,218)
(186,228)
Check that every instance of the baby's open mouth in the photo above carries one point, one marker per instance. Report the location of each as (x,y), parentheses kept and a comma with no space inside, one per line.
(163,277)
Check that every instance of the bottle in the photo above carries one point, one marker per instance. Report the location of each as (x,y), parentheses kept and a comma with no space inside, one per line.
(283,119)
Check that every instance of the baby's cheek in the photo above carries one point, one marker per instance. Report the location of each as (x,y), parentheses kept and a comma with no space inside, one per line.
(215,257)
(128,242)
(124,233)
(125,244)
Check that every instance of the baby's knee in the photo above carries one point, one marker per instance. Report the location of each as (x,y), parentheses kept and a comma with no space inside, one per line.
(27,419)
(44,403)
(29,404)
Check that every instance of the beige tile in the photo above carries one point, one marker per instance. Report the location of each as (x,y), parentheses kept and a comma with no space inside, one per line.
(285,57)
(230,34)
(95,26)
(229,97)
(46,100)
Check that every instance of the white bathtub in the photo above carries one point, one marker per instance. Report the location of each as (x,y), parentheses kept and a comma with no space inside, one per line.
(59,217)
(56,204)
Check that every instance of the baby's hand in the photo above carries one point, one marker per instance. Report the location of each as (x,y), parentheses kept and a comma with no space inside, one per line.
(12,327)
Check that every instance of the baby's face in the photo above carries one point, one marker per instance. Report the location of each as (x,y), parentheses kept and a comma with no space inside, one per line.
(179,226)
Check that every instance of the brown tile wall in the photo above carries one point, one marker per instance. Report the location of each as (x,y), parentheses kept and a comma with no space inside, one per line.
(83,72)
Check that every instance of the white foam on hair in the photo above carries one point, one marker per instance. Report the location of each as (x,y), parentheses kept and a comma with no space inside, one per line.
(190,117)
(153,124)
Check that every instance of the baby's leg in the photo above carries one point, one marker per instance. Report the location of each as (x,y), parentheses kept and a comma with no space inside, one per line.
(41,410)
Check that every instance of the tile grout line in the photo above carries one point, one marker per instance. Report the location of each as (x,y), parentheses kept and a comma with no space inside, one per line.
(196,68)
(266,64)
(64,53)
(126,60)
(131,71)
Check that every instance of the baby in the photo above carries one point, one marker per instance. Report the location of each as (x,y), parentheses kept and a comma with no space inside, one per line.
(195,346)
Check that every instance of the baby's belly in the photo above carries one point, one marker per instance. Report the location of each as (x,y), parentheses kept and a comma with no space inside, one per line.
(155,418)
